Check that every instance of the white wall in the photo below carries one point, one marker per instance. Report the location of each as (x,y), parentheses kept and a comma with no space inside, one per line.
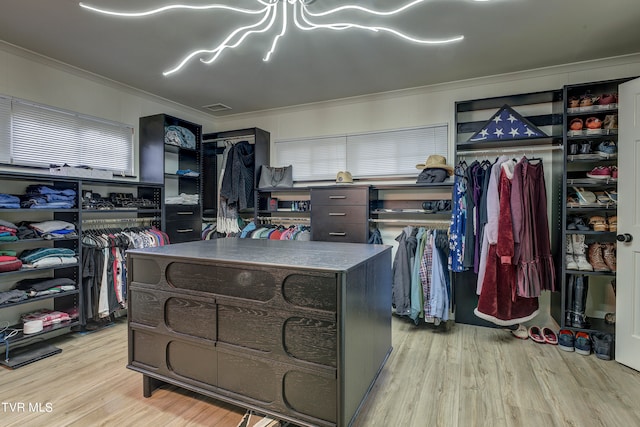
(29,76)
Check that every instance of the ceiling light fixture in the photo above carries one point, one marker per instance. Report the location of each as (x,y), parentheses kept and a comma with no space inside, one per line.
(303,18)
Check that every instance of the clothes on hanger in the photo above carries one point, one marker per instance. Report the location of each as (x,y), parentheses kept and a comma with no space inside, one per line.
(104,272)
(236,184)
(421,287)
(517,264)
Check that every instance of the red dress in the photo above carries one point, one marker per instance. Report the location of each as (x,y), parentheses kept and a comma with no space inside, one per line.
(499,302)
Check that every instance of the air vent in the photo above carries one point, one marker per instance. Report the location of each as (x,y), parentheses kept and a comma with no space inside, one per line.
(217,107)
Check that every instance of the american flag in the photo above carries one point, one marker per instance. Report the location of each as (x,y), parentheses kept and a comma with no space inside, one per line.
(506,124)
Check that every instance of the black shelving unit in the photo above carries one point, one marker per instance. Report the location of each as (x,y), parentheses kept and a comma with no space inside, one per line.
(159,163)
(213,145)
(69,301)
(542,109)
(583,105)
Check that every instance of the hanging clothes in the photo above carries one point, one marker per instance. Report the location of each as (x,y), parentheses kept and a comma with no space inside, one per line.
(421,284)
(458,221)
(536,270)
(104,272)
(236,185)
(490,235)
(402,267)
(498,301)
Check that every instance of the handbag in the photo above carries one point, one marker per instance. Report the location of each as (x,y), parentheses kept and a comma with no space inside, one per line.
(276,177)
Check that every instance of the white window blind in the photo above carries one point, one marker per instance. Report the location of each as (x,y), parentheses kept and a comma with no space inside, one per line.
(42,135)
(5,129)
(366,155)
(315,158)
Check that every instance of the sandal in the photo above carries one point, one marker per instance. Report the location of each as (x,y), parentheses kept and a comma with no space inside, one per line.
(604,198)
(549,336)
(521,332)
(599,223)
(585,197)
(612,195)
(613,224)
(536,335)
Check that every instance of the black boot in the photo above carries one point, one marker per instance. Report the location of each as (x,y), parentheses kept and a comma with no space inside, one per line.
(579,318)
(568,303)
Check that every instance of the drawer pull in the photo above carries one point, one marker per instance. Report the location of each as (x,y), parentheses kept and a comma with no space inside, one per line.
(184,213)
(337,197)
(337,234)
(184,230)
(337,214)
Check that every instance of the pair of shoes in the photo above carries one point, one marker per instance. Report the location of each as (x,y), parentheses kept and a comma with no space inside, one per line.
(521,332)
(598,223)
(575,256)
(610,122)
(583,343)
(600,172)
(577,223)
(542,336)
(614,173)
(602,345)
(607,149)
(602,256)
(566,340)
(585,197)
(583,147)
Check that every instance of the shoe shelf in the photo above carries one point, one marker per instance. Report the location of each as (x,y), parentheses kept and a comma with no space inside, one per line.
(590,139)
(596,324)
(591,273)
(608,235)
(592,182)
(593,109)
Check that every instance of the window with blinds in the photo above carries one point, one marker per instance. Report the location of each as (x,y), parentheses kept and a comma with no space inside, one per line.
(392,153)
(39,135)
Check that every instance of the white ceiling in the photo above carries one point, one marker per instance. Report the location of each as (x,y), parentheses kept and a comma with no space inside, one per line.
(500,36)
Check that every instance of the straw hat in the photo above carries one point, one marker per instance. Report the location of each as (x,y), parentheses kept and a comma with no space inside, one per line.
(436,161)
(344,178)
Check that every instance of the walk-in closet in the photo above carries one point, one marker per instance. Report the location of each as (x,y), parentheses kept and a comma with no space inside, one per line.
(313,213)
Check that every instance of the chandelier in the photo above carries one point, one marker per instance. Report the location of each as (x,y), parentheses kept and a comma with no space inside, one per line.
(280,13)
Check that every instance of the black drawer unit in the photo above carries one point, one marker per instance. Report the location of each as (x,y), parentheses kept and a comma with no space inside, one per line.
(341,213)
(183,223)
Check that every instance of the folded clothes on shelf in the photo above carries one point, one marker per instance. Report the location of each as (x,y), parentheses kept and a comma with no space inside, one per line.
(9,201)
(48,317)
(183,199)
(43,197)
(187,172)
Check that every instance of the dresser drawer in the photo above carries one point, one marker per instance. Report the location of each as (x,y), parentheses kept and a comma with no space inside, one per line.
(185,230)
(340,213)
(339,196)
(182,212)
(340,232)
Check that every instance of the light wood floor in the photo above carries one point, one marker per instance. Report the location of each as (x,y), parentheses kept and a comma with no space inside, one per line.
(469,376)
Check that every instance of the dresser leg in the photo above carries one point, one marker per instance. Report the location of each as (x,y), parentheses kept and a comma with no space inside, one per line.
(149,384)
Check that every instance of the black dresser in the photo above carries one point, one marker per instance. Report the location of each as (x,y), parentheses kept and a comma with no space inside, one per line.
(341,213)
(298,330)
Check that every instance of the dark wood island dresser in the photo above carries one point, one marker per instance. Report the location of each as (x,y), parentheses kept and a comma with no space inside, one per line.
(297,330)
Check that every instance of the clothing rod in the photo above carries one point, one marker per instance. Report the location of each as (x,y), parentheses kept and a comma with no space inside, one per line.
(283,218)
(521,149)
(232,139)
(412,221)
(119,220)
